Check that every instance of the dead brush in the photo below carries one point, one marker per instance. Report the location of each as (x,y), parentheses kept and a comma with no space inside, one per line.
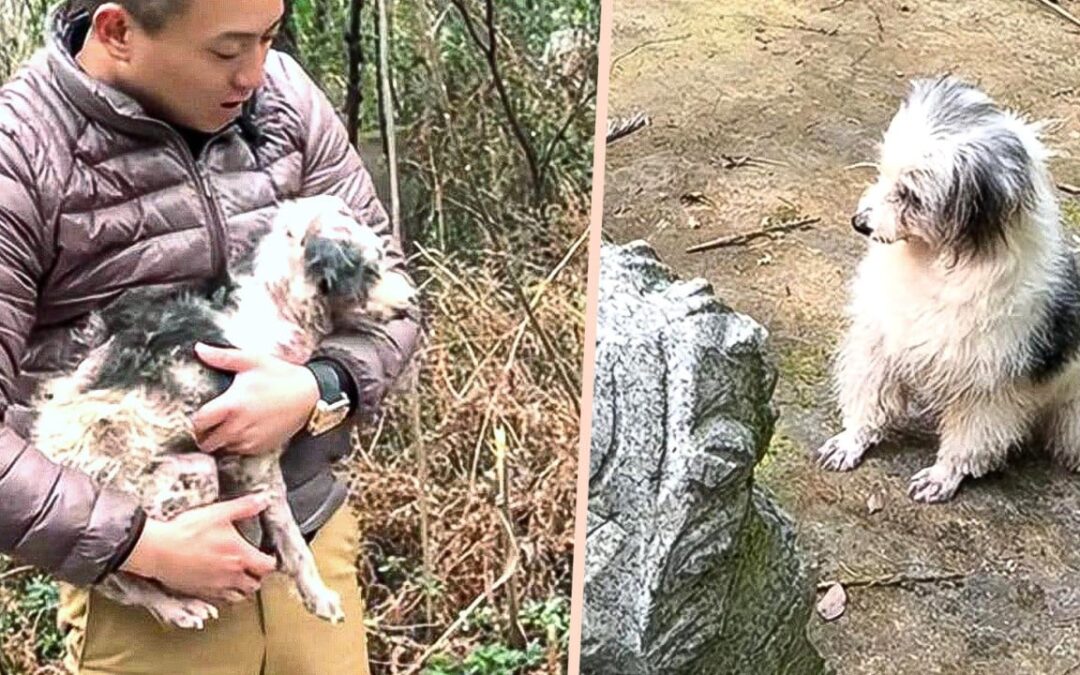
(485,373)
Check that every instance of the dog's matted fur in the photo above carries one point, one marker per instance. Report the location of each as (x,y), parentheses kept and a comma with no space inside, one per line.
(965,310)
(123,415)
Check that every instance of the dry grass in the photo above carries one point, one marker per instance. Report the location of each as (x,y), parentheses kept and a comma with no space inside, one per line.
(485,373)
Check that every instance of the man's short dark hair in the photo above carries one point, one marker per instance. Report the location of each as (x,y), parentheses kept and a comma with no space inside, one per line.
(151,15)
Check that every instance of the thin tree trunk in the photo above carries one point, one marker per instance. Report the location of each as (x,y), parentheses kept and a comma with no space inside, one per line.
(386,117)
(354,98)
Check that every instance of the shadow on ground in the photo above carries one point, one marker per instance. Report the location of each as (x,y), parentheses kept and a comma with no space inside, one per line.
(808,87)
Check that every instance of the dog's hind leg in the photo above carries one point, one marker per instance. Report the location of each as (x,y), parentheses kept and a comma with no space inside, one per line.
(1062,433)
(977,433)
(871,400)
(294,557)
(182,612)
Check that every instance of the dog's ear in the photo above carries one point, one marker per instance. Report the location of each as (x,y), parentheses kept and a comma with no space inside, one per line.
(991,181)
(337,268)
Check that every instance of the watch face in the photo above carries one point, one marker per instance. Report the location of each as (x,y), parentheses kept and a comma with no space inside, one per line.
(326,416)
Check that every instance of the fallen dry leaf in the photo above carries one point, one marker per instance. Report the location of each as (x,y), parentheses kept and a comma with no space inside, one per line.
(833,603)
(874,502)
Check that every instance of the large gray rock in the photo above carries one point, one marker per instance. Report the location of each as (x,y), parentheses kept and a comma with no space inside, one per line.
(689,569)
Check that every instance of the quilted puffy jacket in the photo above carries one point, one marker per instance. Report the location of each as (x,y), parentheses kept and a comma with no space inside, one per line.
(97,197)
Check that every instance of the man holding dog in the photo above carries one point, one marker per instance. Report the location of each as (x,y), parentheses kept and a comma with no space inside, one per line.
(145,144)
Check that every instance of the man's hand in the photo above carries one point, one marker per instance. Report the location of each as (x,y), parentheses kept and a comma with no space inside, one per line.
(201,554)
(267,403)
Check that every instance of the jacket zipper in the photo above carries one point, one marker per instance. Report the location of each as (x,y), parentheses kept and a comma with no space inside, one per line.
(218,254)
(218,247)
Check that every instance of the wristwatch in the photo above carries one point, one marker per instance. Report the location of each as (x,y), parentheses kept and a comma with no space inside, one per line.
(333,405)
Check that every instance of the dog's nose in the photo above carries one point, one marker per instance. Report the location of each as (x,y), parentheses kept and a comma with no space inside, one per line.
(861,222)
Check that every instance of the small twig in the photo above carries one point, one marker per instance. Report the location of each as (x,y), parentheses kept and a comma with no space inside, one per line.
(830,8)
(860,165)
(564,377)
(1061,11)
(1069,189)
(647,43)
(740,239)
(731,162)
(516,634)
(860,57)
(445,270)
(490,409)
(617,129)
(895,579)
(15,571)
(828,32)
(422,470)
(549,152)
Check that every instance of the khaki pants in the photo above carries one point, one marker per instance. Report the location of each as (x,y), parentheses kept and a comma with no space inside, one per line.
(270,635)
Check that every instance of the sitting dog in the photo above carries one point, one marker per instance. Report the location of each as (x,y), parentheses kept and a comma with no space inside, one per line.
(965,310)
(123,414)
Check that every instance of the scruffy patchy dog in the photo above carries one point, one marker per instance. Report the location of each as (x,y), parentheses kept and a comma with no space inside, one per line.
(123,415)
(966,309)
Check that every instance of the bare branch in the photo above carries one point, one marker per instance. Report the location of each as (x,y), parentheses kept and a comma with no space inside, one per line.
(490,50)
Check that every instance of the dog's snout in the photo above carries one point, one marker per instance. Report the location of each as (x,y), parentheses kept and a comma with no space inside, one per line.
(861,222)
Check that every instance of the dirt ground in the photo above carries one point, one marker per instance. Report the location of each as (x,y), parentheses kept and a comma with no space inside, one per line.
(809,87)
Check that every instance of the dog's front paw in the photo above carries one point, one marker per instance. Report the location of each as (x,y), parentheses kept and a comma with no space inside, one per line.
(391,296)
(325,604)
(185,612)
(842,452)
(937,483)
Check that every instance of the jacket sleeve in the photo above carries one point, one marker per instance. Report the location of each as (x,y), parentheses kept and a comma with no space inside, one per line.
(375,357)
(50,516)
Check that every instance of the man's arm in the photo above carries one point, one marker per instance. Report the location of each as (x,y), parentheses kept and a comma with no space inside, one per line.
(57,518)
(50,516)
(372,358)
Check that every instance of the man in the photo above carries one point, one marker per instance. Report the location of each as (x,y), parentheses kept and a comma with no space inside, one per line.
(145,144)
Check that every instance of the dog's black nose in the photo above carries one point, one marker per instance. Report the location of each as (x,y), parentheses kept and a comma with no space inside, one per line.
(861,222)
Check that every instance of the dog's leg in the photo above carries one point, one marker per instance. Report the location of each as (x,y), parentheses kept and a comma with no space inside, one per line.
(1062,433)
(175,483)
(976,435)
(182,612)
(871,399)
(294,556)
(242,475)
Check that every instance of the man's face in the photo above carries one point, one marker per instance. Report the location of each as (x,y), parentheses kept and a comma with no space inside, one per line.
(205,62)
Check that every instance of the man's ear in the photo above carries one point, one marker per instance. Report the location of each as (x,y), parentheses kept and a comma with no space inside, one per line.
(111,27)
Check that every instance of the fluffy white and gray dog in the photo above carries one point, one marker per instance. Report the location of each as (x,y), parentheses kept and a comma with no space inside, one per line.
(123,414)
(965,310)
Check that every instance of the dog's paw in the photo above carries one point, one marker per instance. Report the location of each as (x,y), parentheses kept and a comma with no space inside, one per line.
(842,452)
(325,604)
(937,483)
(391,296)
(185,613)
